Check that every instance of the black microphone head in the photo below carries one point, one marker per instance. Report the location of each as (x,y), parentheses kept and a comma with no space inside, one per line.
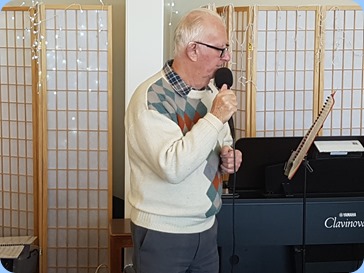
(223,76)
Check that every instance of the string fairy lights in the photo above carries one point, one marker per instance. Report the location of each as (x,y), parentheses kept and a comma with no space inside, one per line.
(40,42)
(172,11)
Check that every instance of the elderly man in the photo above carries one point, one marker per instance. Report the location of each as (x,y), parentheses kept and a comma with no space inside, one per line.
(179,145)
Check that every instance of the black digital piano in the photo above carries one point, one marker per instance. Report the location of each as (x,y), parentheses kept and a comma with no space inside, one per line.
(313,222)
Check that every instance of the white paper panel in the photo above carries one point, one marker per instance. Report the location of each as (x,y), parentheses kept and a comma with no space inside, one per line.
(77,78)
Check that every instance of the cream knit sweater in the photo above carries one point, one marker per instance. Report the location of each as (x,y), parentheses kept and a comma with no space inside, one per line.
(175,182)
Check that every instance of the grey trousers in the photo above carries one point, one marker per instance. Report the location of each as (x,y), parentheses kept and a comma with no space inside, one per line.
(159,252)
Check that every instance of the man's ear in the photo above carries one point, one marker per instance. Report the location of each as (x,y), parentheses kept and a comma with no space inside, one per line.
(191,51)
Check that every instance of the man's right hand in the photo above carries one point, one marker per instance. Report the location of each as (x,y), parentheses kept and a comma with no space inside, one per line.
(224,104)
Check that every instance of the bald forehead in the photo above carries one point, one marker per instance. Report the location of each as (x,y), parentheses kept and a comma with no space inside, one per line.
(214,28)
(211,22)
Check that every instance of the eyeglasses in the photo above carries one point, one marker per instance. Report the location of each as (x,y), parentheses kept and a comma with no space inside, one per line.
(223,50)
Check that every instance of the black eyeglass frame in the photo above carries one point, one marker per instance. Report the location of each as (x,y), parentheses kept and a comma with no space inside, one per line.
(223,50)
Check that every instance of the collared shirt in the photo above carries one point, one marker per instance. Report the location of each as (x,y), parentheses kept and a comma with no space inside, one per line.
(179,85)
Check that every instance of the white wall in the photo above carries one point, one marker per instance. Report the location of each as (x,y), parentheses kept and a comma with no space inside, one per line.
(143,53)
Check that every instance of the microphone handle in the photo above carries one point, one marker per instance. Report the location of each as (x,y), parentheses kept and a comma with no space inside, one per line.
(232,129)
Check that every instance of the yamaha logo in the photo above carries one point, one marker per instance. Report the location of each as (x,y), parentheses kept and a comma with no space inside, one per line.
(347,214)
(345,220)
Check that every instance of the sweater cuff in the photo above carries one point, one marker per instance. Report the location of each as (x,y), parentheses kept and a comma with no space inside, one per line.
(214,121)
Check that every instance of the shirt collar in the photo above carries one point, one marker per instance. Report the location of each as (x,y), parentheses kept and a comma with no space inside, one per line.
(178,85)
(175,80)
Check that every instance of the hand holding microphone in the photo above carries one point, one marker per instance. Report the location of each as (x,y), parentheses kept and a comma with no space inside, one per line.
(224,104)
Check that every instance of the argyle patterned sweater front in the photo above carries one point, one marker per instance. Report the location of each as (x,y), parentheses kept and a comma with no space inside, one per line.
(174,144)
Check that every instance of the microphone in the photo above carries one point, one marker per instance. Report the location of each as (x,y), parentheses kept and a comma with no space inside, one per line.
(224,76)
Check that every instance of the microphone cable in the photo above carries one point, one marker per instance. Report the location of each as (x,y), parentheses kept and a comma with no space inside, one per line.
(234,259)
(224,76)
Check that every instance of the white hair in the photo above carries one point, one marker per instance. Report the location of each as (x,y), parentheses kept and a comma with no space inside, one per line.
(191,27)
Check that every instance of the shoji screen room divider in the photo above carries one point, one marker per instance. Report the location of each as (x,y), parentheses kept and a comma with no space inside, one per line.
(56,132)
(287,60)
(18,171)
